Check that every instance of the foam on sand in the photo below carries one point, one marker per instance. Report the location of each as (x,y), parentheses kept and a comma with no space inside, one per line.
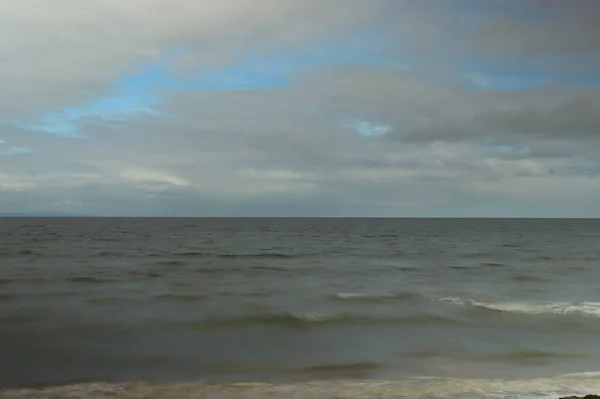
(424,387)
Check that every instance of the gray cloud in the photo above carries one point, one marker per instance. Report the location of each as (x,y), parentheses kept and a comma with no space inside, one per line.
(219,160)
(577,118)
(452,149)
(67,53)
(547,28)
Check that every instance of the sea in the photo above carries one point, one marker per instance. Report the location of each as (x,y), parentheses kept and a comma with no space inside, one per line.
(299,308)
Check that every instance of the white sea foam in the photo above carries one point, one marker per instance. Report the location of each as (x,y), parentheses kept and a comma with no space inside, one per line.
(589,309)
(365,295)
(569,384)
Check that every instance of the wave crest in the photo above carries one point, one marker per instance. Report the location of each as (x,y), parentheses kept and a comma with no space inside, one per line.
(374,296)
(310,319)
(585,308)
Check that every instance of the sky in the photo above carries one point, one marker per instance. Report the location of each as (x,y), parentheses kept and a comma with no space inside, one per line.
(289,108)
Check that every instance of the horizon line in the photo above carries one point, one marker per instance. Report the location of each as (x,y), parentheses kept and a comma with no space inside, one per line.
(42,216)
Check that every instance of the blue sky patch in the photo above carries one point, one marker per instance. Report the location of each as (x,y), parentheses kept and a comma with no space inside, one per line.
(368,129)
(135,94)
(526,73)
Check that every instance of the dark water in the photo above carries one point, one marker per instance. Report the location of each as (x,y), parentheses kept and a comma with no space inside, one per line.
(320,307)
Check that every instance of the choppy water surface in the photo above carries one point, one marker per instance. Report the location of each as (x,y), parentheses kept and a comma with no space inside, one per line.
(307,307)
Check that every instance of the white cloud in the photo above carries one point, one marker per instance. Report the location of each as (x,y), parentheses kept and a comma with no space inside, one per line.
(153,176)
(11,183)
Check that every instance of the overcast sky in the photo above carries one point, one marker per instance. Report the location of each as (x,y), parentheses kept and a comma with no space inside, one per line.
(300,107)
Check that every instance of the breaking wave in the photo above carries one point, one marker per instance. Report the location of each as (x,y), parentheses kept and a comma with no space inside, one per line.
(310,319)
(584,308)
(375,296)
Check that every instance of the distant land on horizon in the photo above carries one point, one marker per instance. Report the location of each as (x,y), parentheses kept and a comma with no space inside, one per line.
(83,216)
(39,214)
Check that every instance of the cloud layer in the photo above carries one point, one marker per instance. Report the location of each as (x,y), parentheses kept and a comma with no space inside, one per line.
(287,108)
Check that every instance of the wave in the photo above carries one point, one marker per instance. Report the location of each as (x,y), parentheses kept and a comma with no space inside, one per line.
(29,252)
(375,296)
(246,269)
(258,255)
(476,255)
(534,354)
(476,265)
(92,280)
(189,253)
(58,294)
(518,355)
(109,254)
(180,297)
(265,255)
(22,252)
(107,301)
(21,280)
(309,320)
(493,264)
(423,387)
(529,278)
(339,369)
(168,263)
(589,309)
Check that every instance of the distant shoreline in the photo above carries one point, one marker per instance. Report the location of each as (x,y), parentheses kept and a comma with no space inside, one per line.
(458,218)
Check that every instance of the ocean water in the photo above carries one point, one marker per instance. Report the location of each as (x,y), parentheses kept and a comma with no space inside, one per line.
(306,308)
